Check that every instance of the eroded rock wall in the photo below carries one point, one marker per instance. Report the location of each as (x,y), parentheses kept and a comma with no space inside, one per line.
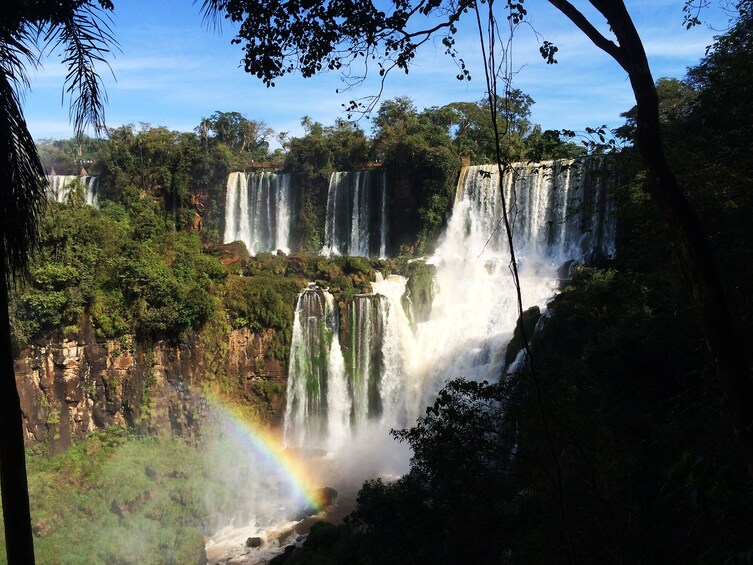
(70,387)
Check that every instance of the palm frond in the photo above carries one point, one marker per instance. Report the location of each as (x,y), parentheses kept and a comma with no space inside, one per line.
(22,192)
(85,36)
(211,10)
(18,49)
(81,29)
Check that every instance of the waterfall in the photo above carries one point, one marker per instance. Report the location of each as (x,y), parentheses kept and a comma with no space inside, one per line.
(386,367)
(363,366)
(92,191)
(258,211)
(364,361)
(559,210)
(356,216)
(317,407)
(68,189)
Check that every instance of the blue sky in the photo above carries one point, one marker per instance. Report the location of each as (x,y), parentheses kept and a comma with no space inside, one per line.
(172,70)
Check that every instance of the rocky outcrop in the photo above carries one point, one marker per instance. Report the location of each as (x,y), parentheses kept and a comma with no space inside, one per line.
(70,387)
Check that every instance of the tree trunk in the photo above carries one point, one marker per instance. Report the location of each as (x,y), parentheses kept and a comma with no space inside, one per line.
(689,238)
(19,542)
(695,257)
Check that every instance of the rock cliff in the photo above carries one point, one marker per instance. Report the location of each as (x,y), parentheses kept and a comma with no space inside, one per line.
(69,387)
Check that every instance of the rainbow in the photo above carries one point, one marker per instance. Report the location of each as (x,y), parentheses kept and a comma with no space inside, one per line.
(268,444)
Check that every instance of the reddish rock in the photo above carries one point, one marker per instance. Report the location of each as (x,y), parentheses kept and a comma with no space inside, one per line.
(69,388)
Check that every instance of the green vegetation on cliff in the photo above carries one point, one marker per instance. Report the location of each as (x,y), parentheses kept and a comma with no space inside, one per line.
(119,498)
(119,267)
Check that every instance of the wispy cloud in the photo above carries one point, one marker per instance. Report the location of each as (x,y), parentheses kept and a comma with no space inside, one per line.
(172,71)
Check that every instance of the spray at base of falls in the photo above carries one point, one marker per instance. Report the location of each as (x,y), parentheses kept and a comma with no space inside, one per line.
(378,372)
(348,386)
(258,489)
(258,211)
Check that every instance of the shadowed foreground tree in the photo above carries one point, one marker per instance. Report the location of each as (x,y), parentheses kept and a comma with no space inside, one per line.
(27,30)
(309,37)
(691,244)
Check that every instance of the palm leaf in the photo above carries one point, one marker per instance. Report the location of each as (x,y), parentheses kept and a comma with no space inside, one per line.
(23,189)
(85,36)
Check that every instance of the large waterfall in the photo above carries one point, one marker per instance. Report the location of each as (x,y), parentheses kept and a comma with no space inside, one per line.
(258,211)
(356,222)
(69,189)
(559,210)
(381,369)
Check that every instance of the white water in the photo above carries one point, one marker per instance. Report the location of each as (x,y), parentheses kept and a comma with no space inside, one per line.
(356,221)
(258,211)
(344,397)
(559,212)
(67,189)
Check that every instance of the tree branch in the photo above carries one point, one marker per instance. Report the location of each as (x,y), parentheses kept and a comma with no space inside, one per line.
(575,16)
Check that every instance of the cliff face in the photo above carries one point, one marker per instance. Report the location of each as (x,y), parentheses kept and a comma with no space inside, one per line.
(404,216)
(70,387)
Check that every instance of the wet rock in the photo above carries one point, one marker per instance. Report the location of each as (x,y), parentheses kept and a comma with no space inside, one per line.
(254,542)
(70,387)
(326,496)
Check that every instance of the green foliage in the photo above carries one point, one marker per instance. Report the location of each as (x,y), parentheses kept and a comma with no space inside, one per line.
(419,289)
(422,171)
(118,498)
(174,167)
(259,303)
(122,269)
(471,127)
(247,138)
(65,155)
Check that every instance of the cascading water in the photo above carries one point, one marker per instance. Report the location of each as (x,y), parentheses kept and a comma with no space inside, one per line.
(356,374)
(68,189)
(318,406)
(334,390)
(559,213)
(356,222)
(364,356)
(258,211)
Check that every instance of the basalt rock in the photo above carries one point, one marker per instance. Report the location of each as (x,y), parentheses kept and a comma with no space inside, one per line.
(71,387)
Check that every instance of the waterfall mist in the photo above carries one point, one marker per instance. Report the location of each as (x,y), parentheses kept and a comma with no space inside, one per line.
(355,375)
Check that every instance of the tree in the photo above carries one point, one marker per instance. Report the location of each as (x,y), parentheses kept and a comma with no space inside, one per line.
(471,127)
(417,154)
(284,37)
(239,133)
(689,239)
(78,29)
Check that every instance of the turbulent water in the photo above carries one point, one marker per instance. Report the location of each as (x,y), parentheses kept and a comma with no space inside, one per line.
(357,373)
(70,189)
(258,211)
(356,222)
(380,370)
